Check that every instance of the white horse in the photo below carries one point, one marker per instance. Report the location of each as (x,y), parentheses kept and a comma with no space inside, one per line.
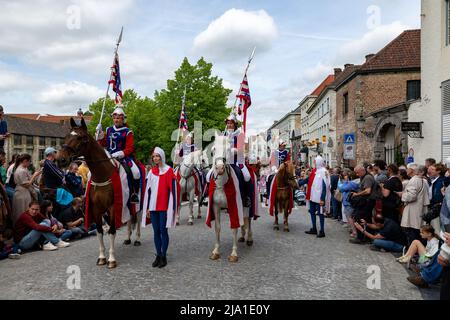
(221,173)
(187,184)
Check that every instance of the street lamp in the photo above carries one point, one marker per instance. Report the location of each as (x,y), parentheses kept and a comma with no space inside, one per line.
(360,123)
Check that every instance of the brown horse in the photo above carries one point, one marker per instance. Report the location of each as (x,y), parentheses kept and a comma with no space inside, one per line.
(101,196)
(286,183)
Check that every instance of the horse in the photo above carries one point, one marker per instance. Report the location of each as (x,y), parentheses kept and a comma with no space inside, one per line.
(220,176)
(101,193)
(285,181)
(188,186)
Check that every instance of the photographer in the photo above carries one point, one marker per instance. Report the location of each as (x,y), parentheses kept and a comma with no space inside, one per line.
(387,234)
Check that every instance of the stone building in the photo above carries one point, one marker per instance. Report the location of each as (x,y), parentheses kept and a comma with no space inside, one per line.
(372,101)
(434,107)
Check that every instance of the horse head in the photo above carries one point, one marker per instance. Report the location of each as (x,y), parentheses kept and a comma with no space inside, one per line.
(287,175)
(75,144)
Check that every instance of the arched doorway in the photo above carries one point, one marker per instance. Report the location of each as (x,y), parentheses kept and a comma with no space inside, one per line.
(390,143)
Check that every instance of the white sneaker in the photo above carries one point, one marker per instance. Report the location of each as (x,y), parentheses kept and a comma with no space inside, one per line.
(62,244)
(49,247)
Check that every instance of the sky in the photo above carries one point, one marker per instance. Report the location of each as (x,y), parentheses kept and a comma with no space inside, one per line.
(55,55)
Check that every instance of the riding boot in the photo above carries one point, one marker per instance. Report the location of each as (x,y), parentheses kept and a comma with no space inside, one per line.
(135,195)
(156,262)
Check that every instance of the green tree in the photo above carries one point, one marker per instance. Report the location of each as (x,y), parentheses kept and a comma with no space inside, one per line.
(206,100)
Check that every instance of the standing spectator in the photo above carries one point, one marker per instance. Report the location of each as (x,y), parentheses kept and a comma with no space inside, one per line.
(160,204)
(444,261)
(74,181)
(416,199)
(335,204)
(4,134)
(83,171)
(46,211)
(10,185)
(436,173)
(388,234)
(32,226)
(348,185)
(3,174)
(389,189)
(24,192)
(52,175)
(404,178)
(429,162)
(365,199)
(380,172)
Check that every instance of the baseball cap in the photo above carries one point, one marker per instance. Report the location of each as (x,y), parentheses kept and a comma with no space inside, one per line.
(49,151)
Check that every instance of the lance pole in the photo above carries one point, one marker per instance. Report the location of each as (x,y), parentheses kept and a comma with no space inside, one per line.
(110,77)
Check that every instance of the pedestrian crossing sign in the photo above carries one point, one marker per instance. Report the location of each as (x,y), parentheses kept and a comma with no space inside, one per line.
(349,138)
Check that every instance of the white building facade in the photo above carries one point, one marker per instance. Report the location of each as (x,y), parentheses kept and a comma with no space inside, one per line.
(304,106)
(321,128)
(434,108)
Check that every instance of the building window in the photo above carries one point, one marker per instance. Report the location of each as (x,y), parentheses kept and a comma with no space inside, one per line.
(30,141)
(17,140)
(41,154)
(345,104)
(17,151)
(53,142)
(42,141)
(413,90)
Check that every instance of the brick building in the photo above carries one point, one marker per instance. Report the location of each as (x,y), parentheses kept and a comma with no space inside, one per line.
(375,97)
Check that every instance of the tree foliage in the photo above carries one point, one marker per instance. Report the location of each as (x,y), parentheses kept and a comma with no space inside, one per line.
(154,120)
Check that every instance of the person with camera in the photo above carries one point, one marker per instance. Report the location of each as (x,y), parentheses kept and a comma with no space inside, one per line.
(73,219)
(363,202)
(385,233)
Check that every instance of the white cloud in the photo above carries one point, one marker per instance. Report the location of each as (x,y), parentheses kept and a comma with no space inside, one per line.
(371,42)
(13,81)
(66,97)
(235,33)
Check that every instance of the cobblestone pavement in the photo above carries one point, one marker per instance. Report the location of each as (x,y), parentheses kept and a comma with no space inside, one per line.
(279,266)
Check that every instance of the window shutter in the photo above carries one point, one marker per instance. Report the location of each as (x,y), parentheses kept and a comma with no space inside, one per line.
(446,119)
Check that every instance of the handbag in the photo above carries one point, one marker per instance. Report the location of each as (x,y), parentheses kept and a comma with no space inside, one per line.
(338,195)
(433,212)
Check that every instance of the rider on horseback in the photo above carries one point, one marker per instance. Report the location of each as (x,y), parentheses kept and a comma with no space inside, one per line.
(277,158)
(119,142)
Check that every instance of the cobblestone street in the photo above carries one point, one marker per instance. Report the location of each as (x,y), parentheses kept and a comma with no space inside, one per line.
(279,266)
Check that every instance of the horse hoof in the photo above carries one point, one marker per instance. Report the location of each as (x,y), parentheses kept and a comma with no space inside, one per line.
(127,242)
(286,230)
(277,228)
(242,239)
(190,223)
(199,217)
(233,259)
(112,264)
(249,243)
(137,243)
(178,224)
(101,261)
(215,256)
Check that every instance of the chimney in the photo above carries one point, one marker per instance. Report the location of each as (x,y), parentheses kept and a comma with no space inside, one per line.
(369,56)
(348,65)
(337,72)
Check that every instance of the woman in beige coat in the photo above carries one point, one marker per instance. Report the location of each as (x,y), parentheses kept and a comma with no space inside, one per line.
(24,191)
(416,199)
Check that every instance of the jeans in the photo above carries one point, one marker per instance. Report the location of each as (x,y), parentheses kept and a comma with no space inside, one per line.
(161,234)
(337,208)
(66,235)
(10,192)
(79,231)
(313,209)
(30,240)
(390,246)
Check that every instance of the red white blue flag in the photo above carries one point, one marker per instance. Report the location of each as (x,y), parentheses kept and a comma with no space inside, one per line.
(116,80)
(183,119)
(245,100)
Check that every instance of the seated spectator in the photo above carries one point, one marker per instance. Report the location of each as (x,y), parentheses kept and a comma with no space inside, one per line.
(53,176)
(46,211)
(73,220)
(11,251)
(73,181)
(385,233)
(32,226)
(425,253)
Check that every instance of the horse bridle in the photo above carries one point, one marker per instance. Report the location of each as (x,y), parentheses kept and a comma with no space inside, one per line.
(189,167)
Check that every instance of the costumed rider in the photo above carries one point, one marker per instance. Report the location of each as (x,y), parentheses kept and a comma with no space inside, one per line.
(119,142)
(277,158)
(234,140)
(318,187)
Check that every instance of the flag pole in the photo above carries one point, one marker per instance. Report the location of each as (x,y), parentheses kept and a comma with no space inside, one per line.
(183,106)
(110,77)
(245,73)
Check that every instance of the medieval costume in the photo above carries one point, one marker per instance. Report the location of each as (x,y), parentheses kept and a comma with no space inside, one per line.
(161,201)
(277,158)
(318,187)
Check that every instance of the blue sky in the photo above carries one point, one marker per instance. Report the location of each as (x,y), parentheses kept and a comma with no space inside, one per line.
(49,68)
